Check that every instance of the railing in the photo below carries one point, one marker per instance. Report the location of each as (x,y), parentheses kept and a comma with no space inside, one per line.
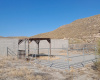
(68,63)
(86,51)
(10,52)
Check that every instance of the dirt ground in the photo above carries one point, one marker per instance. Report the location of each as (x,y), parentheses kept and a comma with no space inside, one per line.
(12,68)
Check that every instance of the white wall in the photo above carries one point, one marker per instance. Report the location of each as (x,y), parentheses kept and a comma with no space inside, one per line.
(10,43)
(13,45)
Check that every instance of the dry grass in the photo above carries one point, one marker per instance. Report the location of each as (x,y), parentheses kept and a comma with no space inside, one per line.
(30,77)
(79,29)
(75,52)
(11,72)
(68,59)
(8,71)
(97,64)
(48,58)
(16,69)
(19,72)
(63,51)
(64,54)
(16,73)
(75,41)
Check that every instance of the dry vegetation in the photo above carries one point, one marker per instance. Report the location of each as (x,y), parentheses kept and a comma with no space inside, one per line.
(97,64)
(64,54)
(81,28)
(69,59)
(16,69)
(9,71)
(79,31)
(48,58)
(12,68)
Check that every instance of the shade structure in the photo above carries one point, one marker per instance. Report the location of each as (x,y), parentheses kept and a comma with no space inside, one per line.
(37,40)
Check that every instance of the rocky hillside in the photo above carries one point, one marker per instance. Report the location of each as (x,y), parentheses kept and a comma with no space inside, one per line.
(78,29)
(18,37)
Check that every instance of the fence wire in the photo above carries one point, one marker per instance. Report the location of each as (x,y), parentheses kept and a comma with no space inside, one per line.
(64,58)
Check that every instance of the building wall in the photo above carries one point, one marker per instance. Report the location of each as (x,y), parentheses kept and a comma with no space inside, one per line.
(13,45)
(10,43)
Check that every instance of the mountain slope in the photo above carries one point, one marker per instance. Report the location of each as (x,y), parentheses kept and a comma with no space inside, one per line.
(77,29)
(18,37)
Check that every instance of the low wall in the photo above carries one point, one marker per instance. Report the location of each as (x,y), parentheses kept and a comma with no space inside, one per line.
(55,43)
(10,43)
(13,45)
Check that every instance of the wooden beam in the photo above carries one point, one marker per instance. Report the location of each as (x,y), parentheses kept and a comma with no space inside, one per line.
(18,52)
(37,41)
(25,46)
(38,48)
(49,40)
(30,41)
(20,41)
(28,48)
(50,47)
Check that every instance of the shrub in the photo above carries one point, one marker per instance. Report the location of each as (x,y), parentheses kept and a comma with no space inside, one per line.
(99,47)
(97,64)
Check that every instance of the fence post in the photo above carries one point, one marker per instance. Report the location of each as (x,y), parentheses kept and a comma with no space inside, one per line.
(35,54)
(7,51)
(95,54)
(25,47)
(49,55)
(83,56)
(68,59)
(18,52)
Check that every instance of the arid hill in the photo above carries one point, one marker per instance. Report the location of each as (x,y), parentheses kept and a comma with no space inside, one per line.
(78,29)
(18,37)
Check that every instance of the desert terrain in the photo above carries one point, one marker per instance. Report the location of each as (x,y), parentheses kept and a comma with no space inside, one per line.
(12,68)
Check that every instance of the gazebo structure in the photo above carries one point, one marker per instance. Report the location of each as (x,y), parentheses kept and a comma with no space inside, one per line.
(37,40)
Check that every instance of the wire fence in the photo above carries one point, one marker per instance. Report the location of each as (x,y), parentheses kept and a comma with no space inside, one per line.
(64,58)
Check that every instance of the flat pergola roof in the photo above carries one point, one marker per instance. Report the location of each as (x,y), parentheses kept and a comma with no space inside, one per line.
(37,40)
(31,39)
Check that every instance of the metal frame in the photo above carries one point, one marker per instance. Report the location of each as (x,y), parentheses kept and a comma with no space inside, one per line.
(10,52)
(68,57)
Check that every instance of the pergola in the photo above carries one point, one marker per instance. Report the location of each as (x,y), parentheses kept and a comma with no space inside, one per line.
(37,40)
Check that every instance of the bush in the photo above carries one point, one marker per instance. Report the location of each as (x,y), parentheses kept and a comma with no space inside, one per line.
(97,64)
(99,47)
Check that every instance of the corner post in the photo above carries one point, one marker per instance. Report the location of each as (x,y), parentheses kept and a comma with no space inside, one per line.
(28,48)
(7,51)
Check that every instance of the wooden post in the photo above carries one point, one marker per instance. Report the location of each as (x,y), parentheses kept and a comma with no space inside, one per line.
(7,51)
(18,52)
(50,47)
(37,41)
(28,48)
(49,40)
(25,47)
(38,48)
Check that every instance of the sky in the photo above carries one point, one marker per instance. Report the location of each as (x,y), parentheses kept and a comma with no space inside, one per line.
(31,17)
